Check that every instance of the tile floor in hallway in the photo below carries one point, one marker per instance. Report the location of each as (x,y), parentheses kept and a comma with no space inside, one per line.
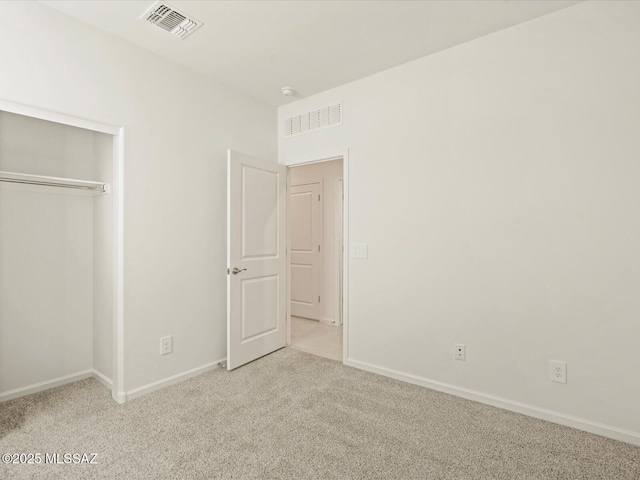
(316,338)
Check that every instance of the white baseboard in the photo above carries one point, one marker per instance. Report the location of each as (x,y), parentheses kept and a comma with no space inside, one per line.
(46,385)
(616,433)
(103,379)
(119,397)
(152,387)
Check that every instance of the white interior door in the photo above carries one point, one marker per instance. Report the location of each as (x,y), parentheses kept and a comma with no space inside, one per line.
(306,225)
(256,258)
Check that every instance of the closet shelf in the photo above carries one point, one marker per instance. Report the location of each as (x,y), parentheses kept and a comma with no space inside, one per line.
(40,180)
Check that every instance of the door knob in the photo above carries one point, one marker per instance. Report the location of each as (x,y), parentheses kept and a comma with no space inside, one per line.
(236,270)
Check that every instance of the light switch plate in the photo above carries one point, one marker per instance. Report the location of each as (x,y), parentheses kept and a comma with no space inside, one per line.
(359,250)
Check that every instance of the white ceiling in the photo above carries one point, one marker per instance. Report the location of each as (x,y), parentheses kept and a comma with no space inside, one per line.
(257,47)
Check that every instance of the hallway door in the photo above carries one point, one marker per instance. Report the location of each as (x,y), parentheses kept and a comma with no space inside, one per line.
(306,250)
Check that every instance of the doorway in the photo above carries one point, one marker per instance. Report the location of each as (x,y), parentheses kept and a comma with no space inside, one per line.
(259,257)
(315,197)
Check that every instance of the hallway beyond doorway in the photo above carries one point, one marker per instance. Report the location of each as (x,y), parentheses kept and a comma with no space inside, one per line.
(317,338)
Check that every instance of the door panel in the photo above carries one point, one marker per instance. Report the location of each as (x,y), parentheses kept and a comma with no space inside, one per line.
(306,238)
(260,310)
(302,286)
(256,242)
(260,193)
(301,220)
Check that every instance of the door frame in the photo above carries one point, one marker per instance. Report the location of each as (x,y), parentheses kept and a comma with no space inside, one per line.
(344,300)
(117,192)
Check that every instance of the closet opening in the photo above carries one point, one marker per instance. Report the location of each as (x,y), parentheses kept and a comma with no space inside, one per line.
(316,206)
(60,252)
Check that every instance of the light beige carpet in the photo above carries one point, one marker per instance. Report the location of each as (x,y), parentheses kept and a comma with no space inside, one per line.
(292,415)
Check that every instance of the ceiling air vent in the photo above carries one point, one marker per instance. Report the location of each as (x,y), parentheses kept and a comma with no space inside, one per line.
(177,23)
(324,117)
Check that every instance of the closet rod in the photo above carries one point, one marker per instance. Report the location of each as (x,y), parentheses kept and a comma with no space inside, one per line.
(11,177)
(47,184)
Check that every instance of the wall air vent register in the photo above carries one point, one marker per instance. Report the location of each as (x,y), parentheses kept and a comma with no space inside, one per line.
(306,122)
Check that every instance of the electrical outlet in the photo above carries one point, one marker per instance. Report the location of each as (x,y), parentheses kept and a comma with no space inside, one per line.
(558,371)
(460,352)
(166,345)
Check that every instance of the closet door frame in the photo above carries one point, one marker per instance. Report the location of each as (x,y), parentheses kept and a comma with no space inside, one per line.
(117,193)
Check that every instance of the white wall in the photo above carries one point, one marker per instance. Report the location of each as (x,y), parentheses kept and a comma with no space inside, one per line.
(329,174)
(178,125)
(496,184)
(103,257)
(46,255)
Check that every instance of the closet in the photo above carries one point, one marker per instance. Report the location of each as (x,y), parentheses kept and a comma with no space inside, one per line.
(56,255)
